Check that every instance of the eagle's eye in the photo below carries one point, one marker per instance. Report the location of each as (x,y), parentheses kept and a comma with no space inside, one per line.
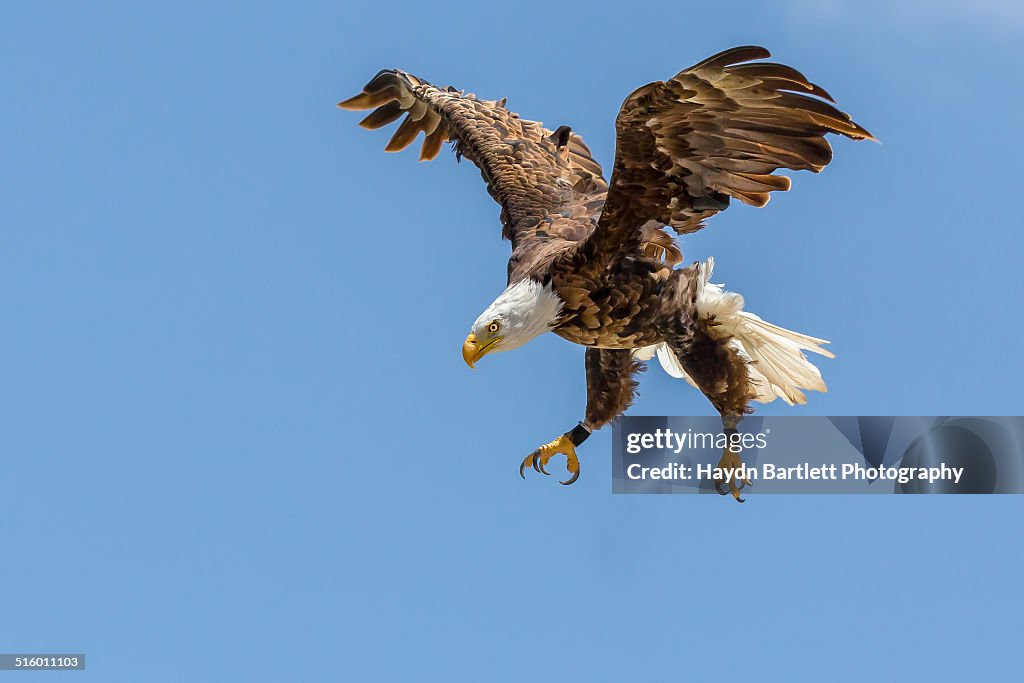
(493,326)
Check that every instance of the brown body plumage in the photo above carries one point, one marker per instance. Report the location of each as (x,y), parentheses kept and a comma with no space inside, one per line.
(685,147)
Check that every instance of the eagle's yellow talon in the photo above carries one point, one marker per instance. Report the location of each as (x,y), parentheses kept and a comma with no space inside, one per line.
(731,460)
(572,464)
(539,458)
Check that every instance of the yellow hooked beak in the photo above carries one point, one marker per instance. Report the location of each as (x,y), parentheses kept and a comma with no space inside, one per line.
(473,350)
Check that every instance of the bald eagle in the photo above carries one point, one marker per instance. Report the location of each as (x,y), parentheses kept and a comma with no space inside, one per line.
(591,260)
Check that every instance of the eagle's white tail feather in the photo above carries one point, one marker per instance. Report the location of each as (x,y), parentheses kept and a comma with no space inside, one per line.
(777,365)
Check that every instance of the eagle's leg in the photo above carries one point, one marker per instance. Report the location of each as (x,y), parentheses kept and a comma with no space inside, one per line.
(721,373)
(610,390)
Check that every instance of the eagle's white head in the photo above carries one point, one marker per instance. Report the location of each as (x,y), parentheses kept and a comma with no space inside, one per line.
(524,310)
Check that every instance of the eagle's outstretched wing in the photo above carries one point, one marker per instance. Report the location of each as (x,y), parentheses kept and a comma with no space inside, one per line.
(715,131)
(549,187)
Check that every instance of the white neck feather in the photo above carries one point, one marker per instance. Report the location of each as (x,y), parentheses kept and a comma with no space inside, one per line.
(526,309)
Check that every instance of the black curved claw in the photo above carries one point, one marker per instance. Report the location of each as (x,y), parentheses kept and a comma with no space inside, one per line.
(572,479)
(718,487)
(540,465)
(522,469)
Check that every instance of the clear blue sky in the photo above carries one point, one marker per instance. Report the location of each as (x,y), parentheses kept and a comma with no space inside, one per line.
(239,442)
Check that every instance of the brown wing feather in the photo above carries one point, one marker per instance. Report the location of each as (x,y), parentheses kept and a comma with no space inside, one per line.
(715,131)
(548,185)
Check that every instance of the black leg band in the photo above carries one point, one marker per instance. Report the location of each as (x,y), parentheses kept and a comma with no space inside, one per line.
(579,434)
